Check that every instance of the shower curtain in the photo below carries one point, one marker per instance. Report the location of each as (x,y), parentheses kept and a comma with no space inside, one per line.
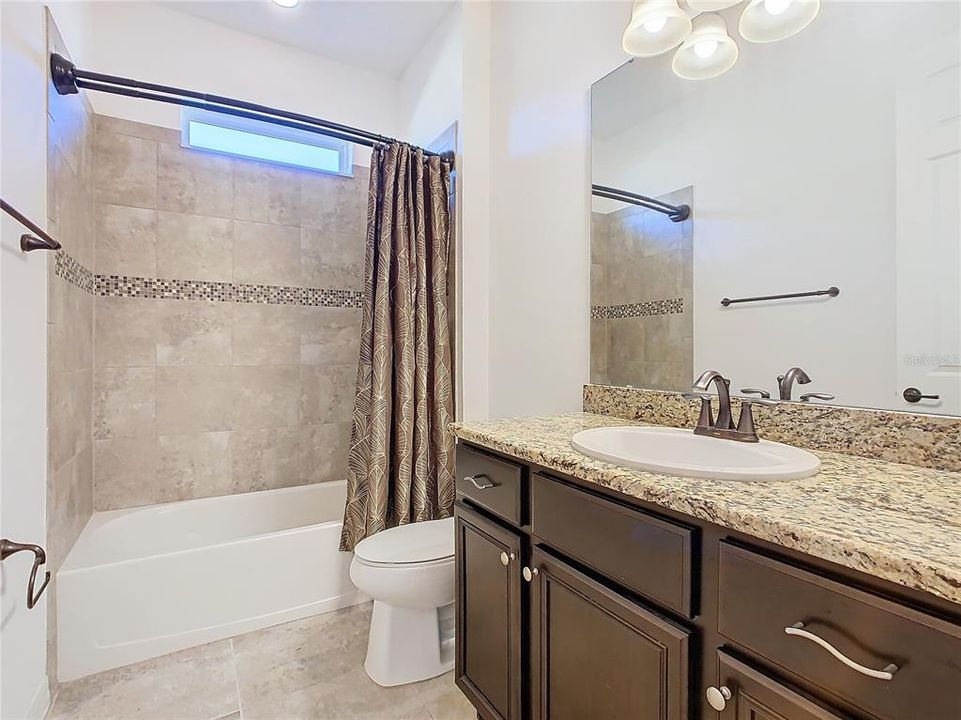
(401,459)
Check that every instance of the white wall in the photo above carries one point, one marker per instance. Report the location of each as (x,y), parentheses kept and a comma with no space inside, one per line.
(544,57)
(430,92)
(792,159)
(23,353)
(149,42)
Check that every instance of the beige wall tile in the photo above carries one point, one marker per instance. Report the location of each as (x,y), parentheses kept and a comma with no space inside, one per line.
(126,241)
(328,393)
(194,247)
(125,472)
(75,215)
(125,170)
(332,259)
(266,193)
(266,334)
(124,402)
(268,254)
(193,332)
(266,459)
(193,399)
(125,332)
(193,466)
(325,450)
(330,335)
(265,396)
(194,182)
(120,126)
(69,415)
(332,202)
(69,505)
(69,326)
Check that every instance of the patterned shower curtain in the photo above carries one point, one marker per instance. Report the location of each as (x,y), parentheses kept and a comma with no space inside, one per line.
(401,461)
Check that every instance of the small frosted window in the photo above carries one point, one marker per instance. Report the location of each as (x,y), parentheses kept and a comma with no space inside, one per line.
(262,141)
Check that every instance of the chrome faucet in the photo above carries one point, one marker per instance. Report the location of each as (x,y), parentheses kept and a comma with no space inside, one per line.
(785,382)
(724,427)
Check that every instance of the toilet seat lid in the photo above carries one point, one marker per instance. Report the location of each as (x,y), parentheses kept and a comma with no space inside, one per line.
(413,543)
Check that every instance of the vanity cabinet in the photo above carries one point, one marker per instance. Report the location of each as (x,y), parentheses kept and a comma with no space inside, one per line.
(597,654)
(488,595)
(751,695)
(575,602)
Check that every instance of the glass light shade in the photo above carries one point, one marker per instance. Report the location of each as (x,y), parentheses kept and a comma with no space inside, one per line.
(772,20)
(707,52)
(711,5)
(656,26)
(286,3)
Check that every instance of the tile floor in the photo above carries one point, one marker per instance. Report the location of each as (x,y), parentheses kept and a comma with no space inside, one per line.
(309,669)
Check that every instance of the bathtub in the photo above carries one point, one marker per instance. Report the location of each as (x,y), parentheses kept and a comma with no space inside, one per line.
(148,581)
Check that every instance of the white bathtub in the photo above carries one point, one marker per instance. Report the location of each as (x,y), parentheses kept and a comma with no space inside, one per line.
(147,581)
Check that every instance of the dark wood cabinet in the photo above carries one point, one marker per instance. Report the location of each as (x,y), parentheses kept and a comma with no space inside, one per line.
(751,695)
(577,602)
(596,654)
(488,661)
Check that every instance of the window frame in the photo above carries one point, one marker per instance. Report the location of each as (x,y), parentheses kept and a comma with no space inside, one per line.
(344,148)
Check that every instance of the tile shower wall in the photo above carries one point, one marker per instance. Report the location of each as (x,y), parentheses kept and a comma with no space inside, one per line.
(250,387)
(70,219)
(642,278)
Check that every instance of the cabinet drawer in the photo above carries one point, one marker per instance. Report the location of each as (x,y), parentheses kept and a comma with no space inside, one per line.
(749,693)
(491,483)
(762,600)
(643,553)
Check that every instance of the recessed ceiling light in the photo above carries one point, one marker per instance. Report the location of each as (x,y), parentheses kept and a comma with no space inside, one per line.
(286,3)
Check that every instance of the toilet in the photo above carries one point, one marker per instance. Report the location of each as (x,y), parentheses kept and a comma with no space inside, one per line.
(409,572)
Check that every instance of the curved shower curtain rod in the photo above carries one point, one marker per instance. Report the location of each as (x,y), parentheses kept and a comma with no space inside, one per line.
(676,213)
(68,79)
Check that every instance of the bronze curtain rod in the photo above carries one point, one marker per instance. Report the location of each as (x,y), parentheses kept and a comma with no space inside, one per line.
(676,213)
(68,79)
(39,240)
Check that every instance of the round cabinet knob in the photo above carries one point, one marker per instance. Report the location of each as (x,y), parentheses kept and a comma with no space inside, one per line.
(717,697)
(529,574)
(506,559)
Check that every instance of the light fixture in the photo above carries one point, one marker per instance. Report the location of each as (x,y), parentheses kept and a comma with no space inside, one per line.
(771,20)
(286,3)
(711,5)
(707,52)
(656,26)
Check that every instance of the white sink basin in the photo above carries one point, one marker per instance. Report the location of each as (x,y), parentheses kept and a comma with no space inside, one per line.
(680,452)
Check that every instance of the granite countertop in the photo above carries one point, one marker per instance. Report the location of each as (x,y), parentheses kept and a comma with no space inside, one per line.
(897,522)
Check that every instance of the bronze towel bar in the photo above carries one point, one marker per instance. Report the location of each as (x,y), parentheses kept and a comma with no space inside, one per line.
(39,240)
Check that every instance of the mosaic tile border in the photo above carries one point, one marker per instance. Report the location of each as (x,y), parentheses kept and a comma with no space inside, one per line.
(73,272)
(673,306)
(930,441)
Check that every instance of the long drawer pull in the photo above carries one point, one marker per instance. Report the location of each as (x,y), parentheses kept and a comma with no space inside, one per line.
(484,484)
(797,629)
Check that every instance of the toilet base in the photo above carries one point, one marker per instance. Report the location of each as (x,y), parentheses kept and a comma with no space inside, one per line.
(408,645)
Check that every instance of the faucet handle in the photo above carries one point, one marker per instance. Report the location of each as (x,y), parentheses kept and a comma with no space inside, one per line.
(706,418)
(756,391)
(807,397)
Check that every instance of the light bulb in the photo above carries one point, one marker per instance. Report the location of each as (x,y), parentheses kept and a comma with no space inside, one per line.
(655,24)
(705,48)
(776,7)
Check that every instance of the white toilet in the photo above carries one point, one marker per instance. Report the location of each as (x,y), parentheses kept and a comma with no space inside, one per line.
(409,572)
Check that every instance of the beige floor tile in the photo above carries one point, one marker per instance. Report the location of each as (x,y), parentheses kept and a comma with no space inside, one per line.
(195,684)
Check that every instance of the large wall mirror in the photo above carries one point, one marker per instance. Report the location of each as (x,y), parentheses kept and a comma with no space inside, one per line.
(830,163)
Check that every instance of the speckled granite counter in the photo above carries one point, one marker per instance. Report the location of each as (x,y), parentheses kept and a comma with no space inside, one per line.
(897,522)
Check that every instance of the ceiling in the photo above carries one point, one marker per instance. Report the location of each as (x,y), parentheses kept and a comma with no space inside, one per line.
(378,35)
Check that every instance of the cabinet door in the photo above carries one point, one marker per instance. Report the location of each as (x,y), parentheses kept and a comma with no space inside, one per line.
(596,654)
(751,695)
(488,661)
